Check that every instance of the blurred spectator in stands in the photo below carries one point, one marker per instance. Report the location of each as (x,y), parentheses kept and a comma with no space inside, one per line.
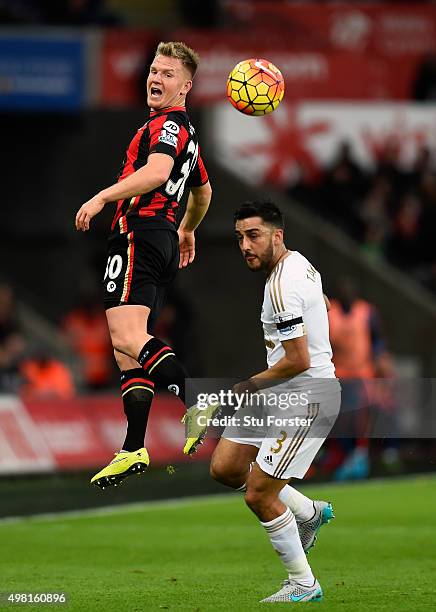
(391,212)
(46,377)
(387,157)
(427,193)
(424,87)
(342,188)
(373,241)
(11,341)
(424,163)
(86,331)
(359,354)
(403,246)
(373,214)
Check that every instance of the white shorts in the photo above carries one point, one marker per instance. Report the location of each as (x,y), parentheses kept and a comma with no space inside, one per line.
(286,449)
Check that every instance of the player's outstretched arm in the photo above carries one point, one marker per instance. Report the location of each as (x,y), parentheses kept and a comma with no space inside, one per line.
(155,172)
(198,203)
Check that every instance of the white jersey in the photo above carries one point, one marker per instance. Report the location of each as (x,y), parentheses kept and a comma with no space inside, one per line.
(294,306)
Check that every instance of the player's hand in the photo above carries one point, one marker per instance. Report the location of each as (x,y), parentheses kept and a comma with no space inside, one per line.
(86,212)
(187,247)
(246,386)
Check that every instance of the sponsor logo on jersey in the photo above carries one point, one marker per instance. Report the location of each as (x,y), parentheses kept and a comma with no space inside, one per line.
(111,286)
(171,126)
(268,459)
(168,138)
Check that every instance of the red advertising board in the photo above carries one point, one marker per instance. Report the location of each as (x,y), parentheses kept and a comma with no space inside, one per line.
(82,433)
(315,74)
(124,55)
(332,51)
(386,29)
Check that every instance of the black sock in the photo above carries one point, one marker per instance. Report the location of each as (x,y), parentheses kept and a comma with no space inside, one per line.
(137,391)
(161,364)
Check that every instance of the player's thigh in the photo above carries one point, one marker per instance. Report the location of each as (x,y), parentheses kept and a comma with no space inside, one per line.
(232,459)
(138,263)
(126,324)
(170,251)
(159,302)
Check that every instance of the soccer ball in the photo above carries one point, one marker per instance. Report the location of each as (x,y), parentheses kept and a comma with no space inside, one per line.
(255,87)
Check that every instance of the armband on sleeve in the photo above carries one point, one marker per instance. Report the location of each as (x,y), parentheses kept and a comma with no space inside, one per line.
(289,326)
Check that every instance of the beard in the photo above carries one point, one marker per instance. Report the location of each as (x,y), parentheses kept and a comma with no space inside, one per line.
(263,261)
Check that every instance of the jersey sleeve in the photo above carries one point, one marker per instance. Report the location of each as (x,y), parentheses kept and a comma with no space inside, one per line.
(167,135)
(199,174)
(288,301)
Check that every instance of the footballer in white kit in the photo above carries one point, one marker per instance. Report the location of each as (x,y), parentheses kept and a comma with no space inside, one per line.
(259,457)
(293,307)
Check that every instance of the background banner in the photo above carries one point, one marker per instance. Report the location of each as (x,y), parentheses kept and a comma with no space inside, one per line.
(41,73)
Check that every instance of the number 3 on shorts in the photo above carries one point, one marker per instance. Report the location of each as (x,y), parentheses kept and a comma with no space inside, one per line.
(279,442)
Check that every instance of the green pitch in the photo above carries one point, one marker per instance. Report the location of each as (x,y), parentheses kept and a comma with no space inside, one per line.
(379,554)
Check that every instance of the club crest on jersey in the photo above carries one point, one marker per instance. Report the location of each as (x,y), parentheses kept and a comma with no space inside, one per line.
(167,138)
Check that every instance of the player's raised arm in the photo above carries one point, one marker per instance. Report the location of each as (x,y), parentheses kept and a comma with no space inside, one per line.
(153,174)
(198,204)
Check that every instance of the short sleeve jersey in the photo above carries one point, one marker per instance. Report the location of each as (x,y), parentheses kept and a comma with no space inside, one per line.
(170,132)
(293,306)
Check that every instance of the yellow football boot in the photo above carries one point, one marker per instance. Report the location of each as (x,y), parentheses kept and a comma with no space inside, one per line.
(196,428)
(123,465)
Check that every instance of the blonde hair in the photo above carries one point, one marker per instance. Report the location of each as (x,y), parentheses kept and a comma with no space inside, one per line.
(190,58)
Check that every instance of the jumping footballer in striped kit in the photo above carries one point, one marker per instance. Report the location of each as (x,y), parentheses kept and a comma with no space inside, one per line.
(146,248)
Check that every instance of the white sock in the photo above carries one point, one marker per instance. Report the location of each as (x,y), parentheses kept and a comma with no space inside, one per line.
(301,506)
(283,533)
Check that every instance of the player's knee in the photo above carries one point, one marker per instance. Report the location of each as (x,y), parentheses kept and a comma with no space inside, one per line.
(218,471)
(124,362)
(122,342)
(222,472)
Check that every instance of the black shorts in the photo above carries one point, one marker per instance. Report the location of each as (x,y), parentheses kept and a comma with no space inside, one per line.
(140,268)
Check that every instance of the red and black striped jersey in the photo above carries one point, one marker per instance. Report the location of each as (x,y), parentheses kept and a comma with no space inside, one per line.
(168,131)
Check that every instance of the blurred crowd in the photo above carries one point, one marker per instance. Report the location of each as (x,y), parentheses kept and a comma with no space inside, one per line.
(24,369)
(87,363)
(391,211)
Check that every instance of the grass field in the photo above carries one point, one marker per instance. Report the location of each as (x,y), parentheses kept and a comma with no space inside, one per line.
(211,554)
